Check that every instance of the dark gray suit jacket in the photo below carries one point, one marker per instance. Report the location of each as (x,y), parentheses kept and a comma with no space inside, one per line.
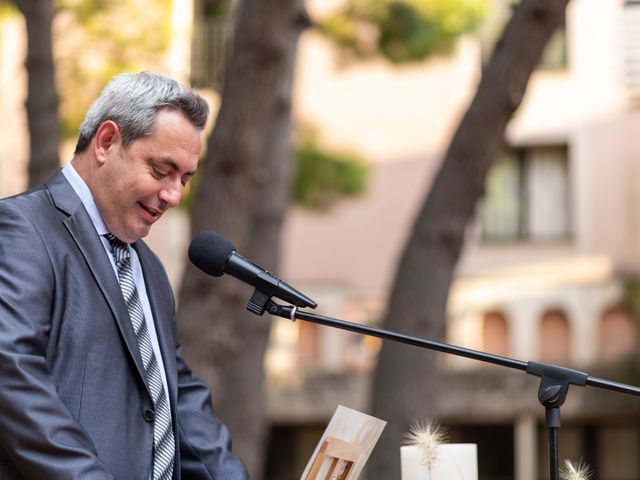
(73,400)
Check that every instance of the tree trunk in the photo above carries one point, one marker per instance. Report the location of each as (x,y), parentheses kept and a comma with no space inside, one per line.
(42,98)
(403,386)
(243,195)
(242,404)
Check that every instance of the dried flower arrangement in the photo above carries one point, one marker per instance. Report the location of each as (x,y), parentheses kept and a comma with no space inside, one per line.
(427,437)
(571,472)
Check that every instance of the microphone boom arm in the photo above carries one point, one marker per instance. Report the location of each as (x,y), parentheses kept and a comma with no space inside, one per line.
(554,379)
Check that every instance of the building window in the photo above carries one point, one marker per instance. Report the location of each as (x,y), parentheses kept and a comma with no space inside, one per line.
(527,197)
(308,344)
(495,333)
(555,338)
(554,55)
(618,452)
(617,334)
(630,42)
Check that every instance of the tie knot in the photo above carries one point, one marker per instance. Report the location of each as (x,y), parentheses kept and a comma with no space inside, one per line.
(120,249)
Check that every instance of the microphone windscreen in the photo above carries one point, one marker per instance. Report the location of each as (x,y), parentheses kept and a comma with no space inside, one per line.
(209,252)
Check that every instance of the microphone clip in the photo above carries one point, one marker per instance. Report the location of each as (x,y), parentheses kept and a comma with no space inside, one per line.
(266,287)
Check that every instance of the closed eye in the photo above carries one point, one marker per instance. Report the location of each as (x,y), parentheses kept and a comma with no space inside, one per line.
(164,168)
(158,173)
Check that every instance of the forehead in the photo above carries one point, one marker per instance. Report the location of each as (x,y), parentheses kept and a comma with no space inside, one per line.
(174,142)
(174,125)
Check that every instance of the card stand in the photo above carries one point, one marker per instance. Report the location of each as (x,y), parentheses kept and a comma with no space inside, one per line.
(341,455)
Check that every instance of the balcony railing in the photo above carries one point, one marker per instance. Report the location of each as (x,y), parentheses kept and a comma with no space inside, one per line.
(211,48)
(631,49)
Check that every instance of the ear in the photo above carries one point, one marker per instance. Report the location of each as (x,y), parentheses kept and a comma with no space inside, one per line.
(107,138)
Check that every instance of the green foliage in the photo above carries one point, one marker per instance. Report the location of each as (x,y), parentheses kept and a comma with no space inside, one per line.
(402,31)
(215,8)
(97,39)
(323,177)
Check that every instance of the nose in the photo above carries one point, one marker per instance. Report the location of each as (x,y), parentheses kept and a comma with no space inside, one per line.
(171,195)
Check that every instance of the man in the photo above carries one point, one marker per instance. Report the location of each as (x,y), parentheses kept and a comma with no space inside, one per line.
(92,381)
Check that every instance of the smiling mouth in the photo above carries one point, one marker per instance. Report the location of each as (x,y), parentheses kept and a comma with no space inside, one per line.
(154,213)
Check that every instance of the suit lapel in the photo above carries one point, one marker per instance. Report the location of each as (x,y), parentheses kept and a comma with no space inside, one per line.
(84,234)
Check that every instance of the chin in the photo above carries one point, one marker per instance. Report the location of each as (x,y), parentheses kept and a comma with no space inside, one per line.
(143,233)
(139,236)
(136,234)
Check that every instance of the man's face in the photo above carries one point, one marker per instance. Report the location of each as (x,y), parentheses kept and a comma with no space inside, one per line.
(134,186)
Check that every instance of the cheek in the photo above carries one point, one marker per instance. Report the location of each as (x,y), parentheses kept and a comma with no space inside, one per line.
(147,190)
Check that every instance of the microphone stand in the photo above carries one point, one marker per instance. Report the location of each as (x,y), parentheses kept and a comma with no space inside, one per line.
(554,380)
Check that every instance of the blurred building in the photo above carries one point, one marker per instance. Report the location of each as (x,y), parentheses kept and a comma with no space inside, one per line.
(550,268)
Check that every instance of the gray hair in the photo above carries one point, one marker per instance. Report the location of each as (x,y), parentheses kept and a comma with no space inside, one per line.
(132,101)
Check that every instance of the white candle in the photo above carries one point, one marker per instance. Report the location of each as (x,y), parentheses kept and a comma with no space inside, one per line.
(454,461)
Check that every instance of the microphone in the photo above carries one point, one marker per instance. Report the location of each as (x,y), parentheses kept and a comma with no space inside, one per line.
(215,255)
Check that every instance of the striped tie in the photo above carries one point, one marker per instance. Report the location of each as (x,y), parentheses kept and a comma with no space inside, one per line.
(163,441)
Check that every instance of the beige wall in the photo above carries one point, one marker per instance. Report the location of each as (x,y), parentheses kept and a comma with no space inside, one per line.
(382,112)
(606,159)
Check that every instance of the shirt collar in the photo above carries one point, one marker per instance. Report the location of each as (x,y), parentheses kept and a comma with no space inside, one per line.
(82,190)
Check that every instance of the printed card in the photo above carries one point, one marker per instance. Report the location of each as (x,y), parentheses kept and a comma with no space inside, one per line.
(344,447)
